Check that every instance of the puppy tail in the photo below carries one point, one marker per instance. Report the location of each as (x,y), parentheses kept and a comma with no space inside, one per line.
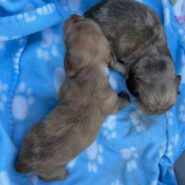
(22,168)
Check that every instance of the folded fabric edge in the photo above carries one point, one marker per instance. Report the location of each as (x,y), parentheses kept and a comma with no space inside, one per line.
(24,24)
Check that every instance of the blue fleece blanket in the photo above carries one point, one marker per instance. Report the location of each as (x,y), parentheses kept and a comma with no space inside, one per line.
(132,148)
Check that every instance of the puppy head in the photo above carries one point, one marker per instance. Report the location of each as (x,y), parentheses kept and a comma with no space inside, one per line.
(154,85)
(68,23)
(85,44)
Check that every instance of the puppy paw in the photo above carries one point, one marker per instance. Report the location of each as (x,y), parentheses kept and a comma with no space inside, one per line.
(64,175)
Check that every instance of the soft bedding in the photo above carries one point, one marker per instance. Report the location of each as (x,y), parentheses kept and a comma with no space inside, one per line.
(132,148)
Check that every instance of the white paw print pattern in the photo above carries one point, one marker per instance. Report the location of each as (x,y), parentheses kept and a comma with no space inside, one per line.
(109,128)
(21,101)
(72,5)
(162,148)
(26,17)
(3,96)
(175,139)
(95,158)
(182,111)
(170,116)
(170,148)
(41,54)
(154,182)
(48,46)
(170,151)
(181,31)
(139,120)
(116,182)
(45,10)
(130,155)
(29,18)
(4,180)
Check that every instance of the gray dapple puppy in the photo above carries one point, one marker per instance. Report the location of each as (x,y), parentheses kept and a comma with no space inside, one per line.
(138,41)
(85,99)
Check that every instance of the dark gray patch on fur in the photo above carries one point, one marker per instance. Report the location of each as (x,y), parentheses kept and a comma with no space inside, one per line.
(138,41)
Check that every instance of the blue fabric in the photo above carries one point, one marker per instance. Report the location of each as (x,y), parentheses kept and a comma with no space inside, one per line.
(132,148)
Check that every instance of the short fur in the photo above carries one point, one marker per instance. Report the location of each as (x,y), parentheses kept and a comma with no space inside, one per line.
(138,41)
(85,99)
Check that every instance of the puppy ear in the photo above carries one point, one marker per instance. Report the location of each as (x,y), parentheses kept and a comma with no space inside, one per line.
(68,66)
(178,80)
(111,60)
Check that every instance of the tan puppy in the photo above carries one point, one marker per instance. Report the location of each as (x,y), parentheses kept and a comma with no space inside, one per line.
(85,99)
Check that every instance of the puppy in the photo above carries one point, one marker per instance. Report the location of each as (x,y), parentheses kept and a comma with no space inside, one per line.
(138,41)
(85,99)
